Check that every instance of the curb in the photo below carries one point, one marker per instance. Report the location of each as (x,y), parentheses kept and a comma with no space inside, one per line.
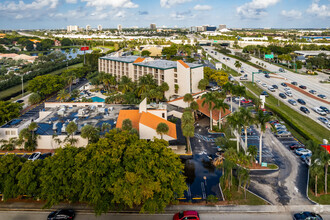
(307,189)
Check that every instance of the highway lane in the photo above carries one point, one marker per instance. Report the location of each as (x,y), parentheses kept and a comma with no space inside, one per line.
(34,215)
(310,102)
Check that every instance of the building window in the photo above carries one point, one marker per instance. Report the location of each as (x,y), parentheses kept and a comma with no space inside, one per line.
(175,75)
(7,132)
(175,81)
(13,132)
(163,115)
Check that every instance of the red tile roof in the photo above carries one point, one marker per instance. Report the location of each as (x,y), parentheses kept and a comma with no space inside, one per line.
(138,60)
(133,115)
(215,113)
(183,63)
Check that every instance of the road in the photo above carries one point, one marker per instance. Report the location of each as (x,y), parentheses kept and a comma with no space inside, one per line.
(33,215)
(286,77)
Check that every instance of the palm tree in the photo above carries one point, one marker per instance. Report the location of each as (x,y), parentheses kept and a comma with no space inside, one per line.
(246,119)
(32,128)
(188,98)
(325,160)
(231,158)
(261,119)
(127,124)
(209,99)
(71,128)
(67,52)
(187,126)
(240,91)
(315,170)
(194,106)
(228,88)
(91,133)
(221,106)
(62,95)
(244,177)
(162,129)
(236,123)
(105,127)
(237,64)
(253,152)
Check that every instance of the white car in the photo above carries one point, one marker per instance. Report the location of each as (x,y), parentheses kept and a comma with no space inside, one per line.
(214,88)
(303,151)
(319,111)
(264,85)
(258,81)
(288,93)
(271,88)
(34,156)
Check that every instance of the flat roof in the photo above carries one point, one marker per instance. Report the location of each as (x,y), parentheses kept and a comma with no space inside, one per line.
(312,52)
(165,64)
(124,59)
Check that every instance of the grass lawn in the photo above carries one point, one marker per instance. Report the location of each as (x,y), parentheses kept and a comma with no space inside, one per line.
(230,71)
(15,89)
(322,199)
(237,198)
(310,128)
(108,47)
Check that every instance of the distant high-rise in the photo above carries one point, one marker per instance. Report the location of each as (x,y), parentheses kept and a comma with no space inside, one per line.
(99,27)
(119,27)
(72,28)
(152,26)
(222,26)
(88,27)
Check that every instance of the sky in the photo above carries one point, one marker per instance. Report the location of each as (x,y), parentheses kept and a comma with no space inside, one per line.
(50,14)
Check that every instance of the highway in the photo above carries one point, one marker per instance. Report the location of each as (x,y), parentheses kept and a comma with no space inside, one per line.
(37,215)
(286,77)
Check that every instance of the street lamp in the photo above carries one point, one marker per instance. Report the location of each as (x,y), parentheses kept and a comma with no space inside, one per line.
(22,86)
(205,188)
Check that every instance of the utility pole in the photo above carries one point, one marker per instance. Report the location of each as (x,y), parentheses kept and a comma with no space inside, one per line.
(22,86)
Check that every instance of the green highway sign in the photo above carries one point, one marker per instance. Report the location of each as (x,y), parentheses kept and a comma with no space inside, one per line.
(269,56)
(215,41)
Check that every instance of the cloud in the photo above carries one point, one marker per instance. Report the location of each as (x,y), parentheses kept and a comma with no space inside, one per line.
(292,14)
(170,3)
(102,4)
(181,15)
(143,13)
(202,7)
(319,10)
(71,1)
(255,9)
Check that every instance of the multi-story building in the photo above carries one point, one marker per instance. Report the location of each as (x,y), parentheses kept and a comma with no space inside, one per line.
(119,27)
(72,28)
(99,27)
(185,75)
(152,26)
(88,27)
(222,26)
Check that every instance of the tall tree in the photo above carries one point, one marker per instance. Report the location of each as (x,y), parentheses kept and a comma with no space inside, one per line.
(202,84)
(240,91)
(261,120)
(246,119)
(238,65)
(221,106)
(127,124)
(91,133)
(71,129)
(162,129)
(188,98)
(187,126)
(228,88)
(9,110)
(235,121)
(209,99)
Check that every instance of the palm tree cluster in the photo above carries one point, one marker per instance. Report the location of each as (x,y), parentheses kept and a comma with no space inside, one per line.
(320,162)
(129,92)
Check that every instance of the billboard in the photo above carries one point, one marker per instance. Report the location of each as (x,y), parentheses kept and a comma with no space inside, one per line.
(84,48)
(269,56)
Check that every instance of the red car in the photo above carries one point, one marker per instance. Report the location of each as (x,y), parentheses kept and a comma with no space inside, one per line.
(186,215)
(246,101)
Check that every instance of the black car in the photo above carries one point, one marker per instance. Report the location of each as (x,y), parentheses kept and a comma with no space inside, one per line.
(307,215)
(260,71)
(267,76)
(61,214)
(20,101)
(325,109)
(294,83)
(302,87)
(284,84)
(321,96)
(275,86)
(312,91)
(282,95)
(264,93)
(304,110)
(43,156)
(301,101)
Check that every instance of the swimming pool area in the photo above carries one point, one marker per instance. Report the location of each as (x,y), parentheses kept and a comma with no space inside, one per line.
(97,99)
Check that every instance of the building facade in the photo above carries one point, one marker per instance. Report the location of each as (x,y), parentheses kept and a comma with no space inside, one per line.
(152,26)
(185,75)
(72,28)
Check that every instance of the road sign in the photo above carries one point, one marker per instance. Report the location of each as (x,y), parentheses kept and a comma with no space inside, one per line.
(269,56)
(84,48)
(215,41)
(264,164)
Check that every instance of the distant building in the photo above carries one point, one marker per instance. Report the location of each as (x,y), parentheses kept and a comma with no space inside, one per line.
(211,28)
(185,75)
(2,35)
(152,26)
(88,27)
(311,53)
(99,27)
(119,27)
(72,28)
(222,26)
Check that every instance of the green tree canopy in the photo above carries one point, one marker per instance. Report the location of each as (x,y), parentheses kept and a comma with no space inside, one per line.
(9,110)
(46,84)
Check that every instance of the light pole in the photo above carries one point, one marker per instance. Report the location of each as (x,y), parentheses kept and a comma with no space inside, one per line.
(205,188)
(22,86)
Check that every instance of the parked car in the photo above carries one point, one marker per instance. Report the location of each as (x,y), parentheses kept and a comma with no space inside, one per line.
(323,120)
(294,83)
(260,71)
(321,96)
(20,101)
(302,87)
(214,88)
(34,156)
(306,159)
(283,134)
(264,85)
(186,215)
(307,216)
(281,70)
(275,86)
(267,76)
(282,95)
(304,110)
(44,156)
(296,146)
(303,151)
(319,111)
(292,102)
(258,81)
(61,214)
(270,88)
(246,101)
(264,93)
(243,78)
(287,89)
(325,109)
(312,91)
(249,131)
(288,93)
(284,84)
(301,101)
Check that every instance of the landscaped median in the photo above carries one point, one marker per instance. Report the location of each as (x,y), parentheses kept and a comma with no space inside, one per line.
(304,127)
